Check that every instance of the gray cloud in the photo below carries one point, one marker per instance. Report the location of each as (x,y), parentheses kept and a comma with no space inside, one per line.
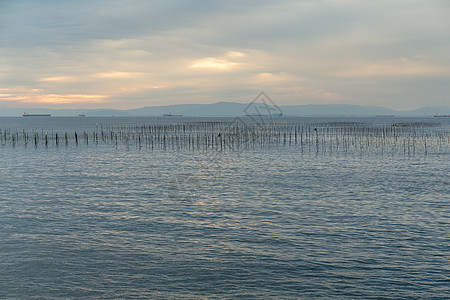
(148,52)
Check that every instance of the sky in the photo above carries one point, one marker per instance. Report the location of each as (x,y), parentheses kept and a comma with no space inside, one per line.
(134,53)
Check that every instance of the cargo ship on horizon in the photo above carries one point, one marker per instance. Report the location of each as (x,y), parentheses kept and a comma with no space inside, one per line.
(35,115)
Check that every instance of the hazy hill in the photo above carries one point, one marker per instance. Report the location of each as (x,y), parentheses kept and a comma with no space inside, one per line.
(234,109)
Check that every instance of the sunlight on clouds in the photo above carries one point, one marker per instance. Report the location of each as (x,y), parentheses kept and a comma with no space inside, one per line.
(5,95)
(277,77)
(219,63)
(69,98)
(235,54)
(213,63)
(266,76)
(13,97)
(57,79)
(36,96)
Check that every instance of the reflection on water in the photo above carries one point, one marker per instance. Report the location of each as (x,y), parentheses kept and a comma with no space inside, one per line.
(105,222)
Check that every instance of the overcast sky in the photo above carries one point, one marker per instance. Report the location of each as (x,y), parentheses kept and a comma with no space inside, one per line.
(134,53)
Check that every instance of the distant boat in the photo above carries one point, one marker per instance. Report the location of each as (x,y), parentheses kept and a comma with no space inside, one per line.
(171,115)
(82,115)
(441,116)
(36,115)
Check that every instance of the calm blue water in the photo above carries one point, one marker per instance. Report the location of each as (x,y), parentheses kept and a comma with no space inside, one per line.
(99,221)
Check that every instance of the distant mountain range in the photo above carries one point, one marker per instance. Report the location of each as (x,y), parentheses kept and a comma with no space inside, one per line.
(230,109)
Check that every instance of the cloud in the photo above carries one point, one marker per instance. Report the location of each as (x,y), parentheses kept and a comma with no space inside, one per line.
(37,96)
(278,77)
(115,74)
(58,79)
(230,60)
(213,63)
(67,99)
(143,52)
(400,67)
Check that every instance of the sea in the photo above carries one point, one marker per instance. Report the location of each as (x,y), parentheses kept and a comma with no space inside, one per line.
(282,221)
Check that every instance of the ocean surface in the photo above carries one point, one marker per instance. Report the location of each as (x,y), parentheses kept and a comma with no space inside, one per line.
(110,221)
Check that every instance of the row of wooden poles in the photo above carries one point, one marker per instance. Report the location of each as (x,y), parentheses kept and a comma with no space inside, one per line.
(346,137)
